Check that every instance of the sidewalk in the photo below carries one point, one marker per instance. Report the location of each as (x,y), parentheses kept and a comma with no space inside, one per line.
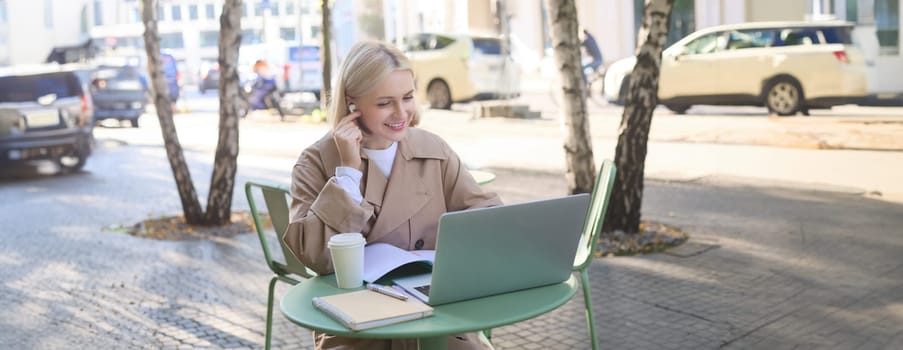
(848,149)
(765,268)
(753,149)
(872,128)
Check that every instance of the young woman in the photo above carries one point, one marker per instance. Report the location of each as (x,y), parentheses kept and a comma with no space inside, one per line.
(376,173)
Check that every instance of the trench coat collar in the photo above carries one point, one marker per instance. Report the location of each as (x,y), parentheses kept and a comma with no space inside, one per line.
(405,189)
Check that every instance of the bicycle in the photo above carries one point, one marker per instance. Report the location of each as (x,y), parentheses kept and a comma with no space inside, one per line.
(595,87)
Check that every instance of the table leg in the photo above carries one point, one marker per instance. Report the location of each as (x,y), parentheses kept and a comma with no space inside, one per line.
(433,343)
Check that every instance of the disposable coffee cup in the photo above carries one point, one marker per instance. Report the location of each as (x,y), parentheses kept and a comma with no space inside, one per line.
(347,251)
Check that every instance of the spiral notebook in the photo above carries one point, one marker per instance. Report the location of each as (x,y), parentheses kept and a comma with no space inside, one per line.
(365,309)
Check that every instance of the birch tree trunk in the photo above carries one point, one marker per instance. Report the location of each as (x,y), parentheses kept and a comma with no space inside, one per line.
(325,51)
(578,148)
(222,182)
(190,205)
(642,97)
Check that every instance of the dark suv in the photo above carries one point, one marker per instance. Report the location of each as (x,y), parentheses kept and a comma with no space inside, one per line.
(118,93)
(45,116)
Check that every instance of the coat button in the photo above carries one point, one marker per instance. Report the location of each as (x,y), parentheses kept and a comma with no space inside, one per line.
(419,244)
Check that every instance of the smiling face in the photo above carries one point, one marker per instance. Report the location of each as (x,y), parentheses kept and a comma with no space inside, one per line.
(387,109)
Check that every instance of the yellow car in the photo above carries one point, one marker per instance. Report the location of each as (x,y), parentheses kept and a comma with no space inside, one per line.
(788,67)
(454,67)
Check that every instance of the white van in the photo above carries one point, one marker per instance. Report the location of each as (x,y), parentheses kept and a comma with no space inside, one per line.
(788,67)
(297,67)
(305,71)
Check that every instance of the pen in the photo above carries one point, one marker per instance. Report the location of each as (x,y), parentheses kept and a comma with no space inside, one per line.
(386,291)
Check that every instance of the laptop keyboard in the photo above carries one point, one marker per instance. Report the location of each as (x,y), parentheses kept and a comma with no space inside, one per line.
(423,289)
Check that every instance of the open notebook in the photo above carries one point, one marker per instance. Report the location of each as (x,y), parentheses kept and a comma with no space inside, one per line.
(382,258)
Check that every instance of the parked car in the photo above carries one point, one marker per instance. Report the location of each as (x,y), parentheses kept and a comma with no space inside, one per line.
(209,77)
(788,67)
(171,73)
(456,67)
(118,94)
(45,116)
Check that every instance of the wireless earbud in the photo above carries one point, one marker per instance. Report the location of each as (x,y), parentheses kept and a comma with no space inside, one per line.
(352,107)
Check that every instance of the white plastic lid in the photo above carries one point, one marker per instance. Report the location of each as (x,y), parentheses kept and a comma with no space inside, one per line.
(346,240)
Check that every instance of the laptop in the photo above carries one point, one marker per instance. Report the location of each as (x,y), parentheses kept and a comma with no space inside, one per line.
(488,251)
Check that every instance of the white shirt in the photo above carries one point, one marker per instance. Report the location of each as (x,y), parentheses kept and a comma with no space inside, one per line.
(350,178)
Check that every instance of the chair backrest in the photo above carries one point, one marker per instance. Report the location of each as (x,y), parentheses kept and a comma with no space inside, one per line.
(276,198)
(595,216)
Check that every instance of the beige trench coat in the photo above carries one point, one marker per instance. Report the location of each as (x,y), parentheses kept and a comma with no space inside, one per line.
(427,180)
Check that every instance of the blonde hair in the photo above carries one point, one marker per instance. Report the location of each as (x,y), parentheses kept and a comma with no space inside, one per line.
(365,65)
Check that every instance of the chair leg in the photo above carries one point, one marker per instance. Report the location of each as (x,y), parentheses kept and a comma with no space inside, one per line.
(584,281)
(268,333)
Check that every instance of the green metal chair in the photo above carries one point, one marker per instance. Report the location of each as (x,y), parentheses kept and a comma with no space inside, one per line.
(276,198)
(587,248)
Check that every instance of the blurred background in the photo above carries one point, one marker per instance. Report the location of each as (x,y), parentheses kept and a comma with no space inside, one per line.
(287,32)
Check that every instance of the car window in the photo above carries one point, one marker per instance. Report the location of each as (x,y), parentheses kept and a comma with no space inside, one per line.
(416,43)
(31,87)
(838,35)
(799,36)
(440,42)
(750,39)
(117,73)
(705,44)
(424,42)
(487,46)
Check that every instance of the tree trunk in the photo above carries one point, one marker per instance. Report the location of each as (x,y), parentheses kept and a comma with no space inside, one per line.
(222,182)
(642,97)
(581,170)
(190,205)
(325,51)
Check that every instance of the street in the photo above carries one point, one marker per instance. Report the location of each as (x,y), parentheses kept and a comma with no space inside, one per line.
(849,148)
(791,245)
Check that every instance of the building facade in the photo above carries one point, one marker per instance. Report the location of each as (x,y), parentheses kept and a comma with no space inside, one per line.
(189,29)
(30,29)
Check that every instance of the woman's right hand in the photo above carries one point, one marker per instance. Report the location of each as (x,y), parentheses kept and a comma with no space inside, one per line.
(347,136)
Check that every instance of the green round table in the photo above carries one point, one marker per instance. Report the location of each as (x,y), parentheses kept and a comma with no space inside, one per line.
(431,332)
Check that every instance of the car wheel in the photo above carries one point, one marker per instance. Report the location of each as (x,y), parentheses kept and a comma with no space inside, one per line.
(438,95)
(134,122)
(678,109)
(75,160)
(784,97)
